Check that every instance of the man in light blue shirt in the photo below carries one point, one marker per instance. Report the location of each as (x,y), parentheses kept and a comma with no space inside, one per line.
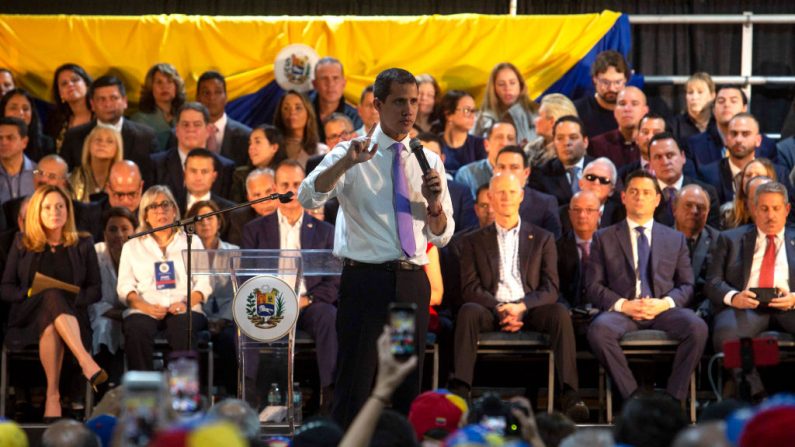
(16,170)
(478,173)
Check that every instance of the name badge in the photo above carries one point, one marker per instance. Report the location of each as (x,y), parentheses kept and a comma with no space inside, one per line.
(165,276)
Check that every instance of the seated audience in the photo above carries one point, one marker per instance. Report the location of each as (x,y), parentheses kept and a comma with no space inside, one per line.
(295,118)
(743,143)
(430,95)
(101,149)
(599,177)
(259,184)
(227,137)
(328,96)
(699,95)
(192,129)
(16,169)
(752,256)
(263,152)
(520,293)
(574,247)
(667,160)
(619,144)
(737,212)
(70,86)
(537,208)
(478,173)
(460,147)
(124,187)
(640,276)
(18,103)
(553,106)
(162,94)
(610,73)
(650,125)
(291,228)
(106,314)
(56,319)
(337,127)
(560,176)
(367,112)
(506,99)
(201,174)
(152,283)
(713,144)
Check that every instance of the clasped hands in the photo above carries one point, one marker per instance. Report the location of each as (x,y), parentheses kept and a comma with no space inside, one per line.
(644,308)
(511,316)
(747,300)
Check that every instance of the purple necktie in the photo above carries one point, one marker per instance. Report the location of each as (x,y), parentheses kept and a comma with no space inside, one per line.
(402,204)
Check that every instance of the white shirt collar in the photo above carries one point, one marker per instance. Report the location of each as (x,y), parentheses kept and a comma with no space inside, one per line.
(502,231)
(763,236)
(117,127)
(220,124)
(647,225)
(677,184)
(283,219)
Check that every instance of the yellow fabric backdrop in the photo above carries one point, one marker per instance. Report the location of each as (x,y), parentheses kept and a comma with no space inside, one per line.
(459,50)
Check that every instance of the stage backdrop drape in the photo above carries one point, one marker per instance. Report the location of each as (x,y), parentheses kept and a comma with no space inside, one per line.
(459,50)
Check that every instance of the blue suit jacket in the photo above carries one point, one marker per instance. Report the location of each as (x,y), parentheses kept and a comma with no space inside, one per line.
(541,210)
(463,206)
(611,271)
(263,233)
(707,147)
(168,171)
(719,173)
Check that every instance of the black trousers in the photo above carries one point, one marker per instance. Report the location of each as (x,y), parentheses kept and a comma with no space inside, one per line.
(362,312)
(552,319)
(139,336)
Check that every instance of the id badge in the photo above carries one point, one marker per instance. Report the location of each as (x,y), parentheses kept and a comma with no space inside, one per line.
(165,276)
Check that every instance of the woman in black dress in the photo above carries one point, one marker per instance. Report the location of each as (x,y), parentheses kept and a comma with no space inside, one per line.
(51,246)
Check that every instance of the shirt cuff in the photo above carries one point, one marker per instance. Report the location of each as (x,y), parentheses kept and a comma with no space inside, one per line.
(670,301)
(727,299)
(619,304)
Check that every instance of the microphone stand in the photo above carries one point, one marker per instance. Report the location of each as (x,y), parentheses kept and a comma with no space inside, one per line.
(188,225)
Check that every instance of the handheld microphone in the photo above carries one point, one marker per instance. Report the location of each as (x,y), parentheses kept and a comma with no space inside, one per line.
(416,148)
(286,197)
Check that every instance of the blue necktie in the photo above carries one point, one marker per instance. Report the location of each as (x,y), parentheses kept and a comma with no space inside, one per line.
(574,175)
(405,221)
(644,252)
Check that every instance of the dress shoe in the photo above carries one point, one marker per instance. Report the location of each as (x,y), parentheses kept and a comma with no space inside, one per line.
(574,407)
(98,378)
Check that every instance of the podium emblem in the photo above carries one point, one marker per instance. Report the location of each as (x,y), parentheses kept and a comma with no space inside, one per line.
(265,308)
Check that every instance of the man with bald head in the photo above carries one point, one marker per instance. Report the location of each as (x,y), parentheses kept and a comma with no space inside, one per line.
(574,247)
(619,144)
(509,280)
(743,142)
(125,186)
(599,177)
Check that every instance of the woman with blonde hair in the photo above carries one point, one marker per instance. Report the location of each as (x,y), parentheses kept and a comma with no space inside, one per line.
(50,246)
(699,95)
(295,118)
(506,98)
(162,94)
(153,283)
(737,213)
(102,147)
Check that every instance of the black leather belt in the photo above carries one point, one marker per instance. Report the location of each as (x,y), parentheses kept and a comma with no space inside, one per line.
(390,266)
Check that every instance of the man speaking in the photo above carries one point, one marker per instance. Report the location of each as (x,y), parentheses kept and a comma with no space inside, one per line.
(389,211)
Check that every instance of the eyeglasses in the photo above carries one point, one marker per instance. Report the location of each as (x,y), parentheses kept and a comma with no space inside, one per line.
(606,83)
(48,175)
(336,136)
(124,195)
(595,178)
(466,111)
(164,205)
(483,206)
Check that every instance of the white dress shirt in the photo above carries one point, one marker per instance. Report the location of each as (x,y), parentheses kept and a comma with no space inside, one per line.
(137,272)
(781,272)
(366,227)
(509,287)
(105,330)
(193,199)
(677,184)
(290,239)
(117,127)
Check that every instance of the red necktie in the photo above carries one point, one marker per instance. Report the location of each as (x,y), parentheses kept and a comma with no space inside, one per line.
(768,269)
(212,142)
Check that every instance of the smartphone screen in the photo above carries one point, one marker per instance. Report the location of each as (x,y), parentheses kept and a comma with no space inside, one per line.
(142,407)
(402,318)
(183,383)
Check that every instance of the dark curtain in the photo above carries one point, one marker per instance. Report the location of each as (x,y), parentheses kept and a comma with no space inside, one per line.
(657,49)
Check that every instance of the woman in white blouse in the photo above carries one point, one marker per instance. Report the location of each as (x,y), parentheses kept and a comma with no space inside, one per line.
(152,283)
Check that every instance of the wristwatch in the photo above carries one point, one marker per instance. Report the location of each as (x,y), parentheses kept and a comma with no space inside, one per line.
(309,298)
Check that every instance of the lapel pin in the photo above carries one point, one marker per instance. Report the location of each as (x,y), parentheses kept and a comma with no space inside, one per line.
(530,236)
(309,225)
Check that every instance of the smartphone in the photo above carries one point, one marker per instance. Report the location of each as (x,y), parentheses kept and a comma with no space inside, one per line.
(183,383)
(142,407)
(765,294)
(764,351)
(402,321)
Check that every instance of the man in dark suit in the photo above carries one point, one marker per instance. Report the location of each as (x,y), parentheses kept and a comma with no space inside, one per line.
(292,228)
(259,183)
(574,248)
(200,175)
(510,281)
(537,208)
(619,144)
(708,146)
(192,130)
(559,176)
(743,142)
(124,188)
(108,102)
(667,162)
(650,125)
(640,276)
(760,255)
(599,177)
(227,136)
(691,207)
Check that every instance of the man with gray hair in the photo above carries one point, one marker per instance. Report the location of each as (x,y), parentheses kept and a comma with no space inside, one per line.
(329,83)
(746,261)
(259,183)
(599,177)
(691,207)
(338,127)
(69,433)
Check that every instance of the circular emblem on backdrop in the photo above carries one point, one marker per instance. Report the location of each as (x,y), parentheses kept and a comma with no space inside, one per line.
(265,308)
(294,67)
